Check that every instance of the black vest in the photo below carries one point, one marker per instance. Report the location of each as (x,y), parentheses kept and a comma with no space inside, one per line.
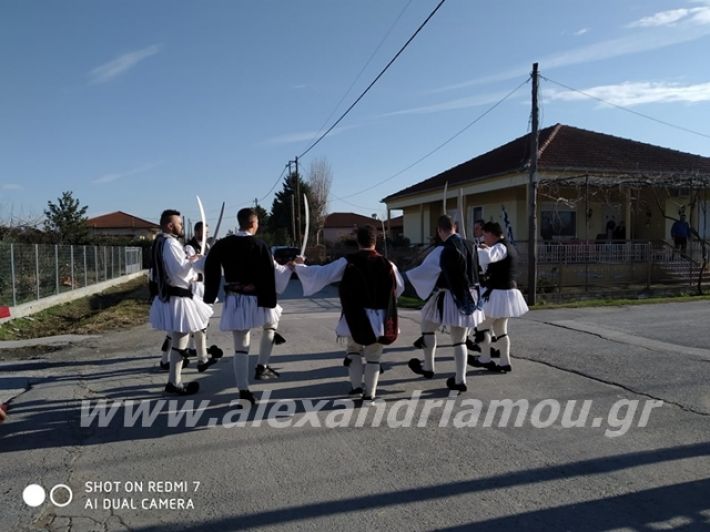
(246,261)
(369,282)
(459,272)
(459,265)
(501,275)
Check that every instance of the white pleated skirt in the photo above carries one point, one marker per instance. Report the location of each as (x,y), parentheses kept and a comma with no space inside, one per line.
(180,314)
(376,317)
(241,313)
(198,289)
(505,304)
(451,314)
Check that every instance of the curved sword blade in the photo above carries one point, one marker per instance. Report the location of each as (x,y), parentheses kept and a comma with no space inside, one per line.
(204,225)
(219,223)
(462,215)
(305,235)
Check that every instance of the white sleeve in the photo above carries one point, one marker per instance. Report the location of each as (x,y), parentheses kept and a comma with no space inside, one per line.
(424,276)
(176,264)
(315,278)
(190,251)
(283,276)
(493,254)
(399,280)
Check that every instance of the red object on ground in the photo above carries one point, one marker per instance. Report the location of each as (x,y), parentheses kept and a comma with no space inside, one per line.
(3,412)
(4,312)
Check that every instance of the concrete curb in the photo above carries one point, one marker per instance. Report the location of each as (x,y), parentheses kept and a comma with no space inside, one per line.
(27,309)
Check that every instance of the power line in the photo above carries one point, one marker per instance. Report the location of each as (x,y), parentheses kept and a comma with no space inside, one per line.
(432,152)
(275,184)
(367,63)
(642,115)
(357,100)
(369,208)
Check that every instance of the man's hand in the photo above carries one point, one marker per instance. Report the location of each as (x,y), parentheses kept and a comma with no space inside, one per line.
(194,258)
(299,260)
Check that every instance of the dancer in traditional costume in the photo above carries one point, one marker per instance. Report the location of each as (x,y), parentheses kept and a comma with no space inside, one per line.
(446,279)
(252,280)
(369,287)
(198,340)
(175,310)
(501,299)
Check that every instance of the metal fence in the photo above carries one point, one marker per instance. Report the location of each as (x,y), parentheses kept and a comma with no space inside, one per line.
(33,271)
(597,267)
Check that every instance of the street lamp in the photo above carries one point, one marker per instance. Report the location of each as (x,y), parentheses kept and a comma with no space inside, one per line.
(384,234)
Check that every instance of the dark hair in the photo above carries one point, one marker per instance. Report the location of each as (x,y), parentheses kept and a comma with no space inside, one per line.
(366,236)
(479,222)
(198,226)
(492,228)
(166,215)
(445,223)
(245,216)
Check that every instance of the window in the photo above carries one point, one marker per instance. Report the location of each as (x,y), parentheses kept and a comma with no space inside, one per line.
(558,224)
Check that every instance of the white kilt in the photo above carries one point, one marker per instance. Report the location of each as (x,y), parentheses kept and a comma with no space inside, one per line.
(376,317)
(505,304)
(198,289)
(241,313)
(180,314)
(451,314)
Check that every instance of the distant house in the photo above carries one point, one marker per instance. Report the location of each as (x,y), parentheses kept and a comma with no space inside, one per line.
(341,225)
(123,225)
(591,186)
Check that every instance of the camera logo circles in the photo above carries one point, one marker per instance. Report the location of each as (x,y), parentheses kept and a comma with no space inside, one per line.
(63,489)
(60,495)
(34,495)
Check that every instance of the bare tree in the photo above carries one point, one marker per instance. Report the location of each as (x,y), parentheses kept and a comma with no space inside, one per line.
(320,178)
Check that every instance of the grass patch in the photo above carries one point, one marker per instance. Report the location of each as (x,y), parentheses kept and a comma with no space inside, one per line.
(410,302)
(122,306)
(622,302)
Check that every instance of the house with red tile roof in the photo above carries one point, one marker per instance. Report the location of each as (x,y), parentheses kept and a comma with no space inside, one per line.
(342,225)
(123,225)
(591,185)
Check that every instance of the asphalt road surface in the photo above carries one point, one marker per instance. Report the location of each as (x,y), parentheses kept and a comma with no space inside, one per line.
(310,466)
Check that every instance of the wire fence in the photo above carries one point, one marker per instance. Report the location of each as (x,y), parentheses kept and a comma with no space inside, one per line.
(30,272)
(597,267)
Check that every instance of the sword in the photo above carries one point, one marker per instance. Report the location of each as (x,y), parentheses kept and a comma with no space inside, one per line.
(462,217)
(446,188)
(305,235)
(204,226)
(219,222)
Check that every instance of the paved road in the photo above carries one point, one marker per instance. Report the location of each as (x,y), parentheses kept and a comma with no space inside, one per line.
(440,475)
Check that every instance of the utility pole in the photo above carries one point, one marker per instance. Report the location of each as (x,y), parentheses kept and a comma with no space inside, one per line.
(298,201)
(532,195)
(293,221)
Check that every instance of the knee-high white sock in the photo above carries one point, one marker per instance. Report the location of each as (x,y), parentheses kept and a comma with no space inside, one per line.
(504,347)
(356,369)
(175,367)
(179,344)
(502,340)
(240,362)
(429,351)
(165,349)
(373,353)
(461,358)
(266,345)
(201,346)
(458,339)
(372,375)
(485,345)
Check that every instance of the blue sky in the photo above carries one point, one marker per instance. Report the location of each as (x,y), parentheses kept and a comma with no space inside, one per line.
(139,105)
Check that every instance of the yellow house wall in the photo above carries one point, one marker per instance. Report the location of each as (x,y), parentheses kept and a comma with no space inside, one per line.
(636,208)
